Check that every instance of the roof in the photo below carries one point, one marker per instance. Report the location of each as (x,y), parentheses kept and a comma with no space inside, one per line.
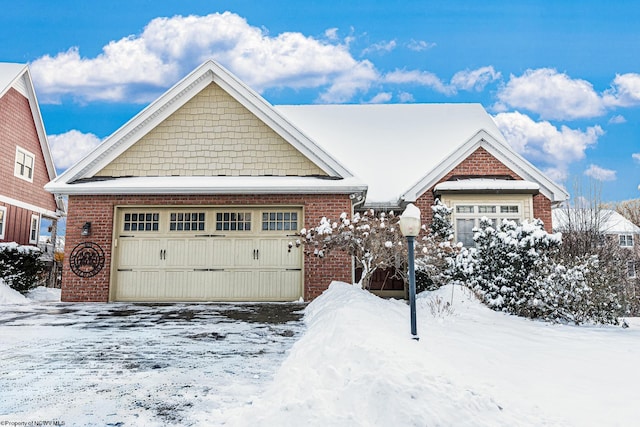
(402,150)
(610,221)
(131,132)
(18,76)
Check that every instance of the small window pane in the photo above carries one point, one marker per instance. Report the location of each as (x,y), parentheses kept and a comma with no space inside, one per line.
(279,221)
(233,221)
(509,209)
(486,209)
(141,222)
(464,209)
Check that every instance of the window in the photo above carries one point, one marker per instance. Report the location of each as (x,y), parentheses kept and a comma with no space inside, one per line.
(279,221)
(24,164)
(141,221)
(468,216)
(631,269)
(3,220)
(188,221)
(233,221)
(33,232)
(626,240)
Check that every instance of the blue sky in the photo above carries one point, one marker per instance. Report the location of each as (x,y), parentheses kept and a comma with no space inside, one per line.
(562,79)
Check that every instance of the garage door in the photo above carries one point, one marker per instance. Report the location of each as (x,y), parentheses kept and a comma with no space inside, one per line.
(206,254)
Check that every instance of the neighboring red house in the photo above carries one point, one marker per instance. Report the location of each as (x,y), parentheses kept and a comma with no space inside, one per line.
(197,196)
(26,164)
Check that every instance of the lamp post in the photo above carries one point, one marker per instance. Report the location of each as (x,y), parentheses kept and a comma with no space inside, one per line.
(410,228)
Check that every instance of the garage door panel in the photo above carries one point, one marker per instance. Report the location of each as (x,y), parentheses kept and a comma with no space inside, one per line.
(248,263)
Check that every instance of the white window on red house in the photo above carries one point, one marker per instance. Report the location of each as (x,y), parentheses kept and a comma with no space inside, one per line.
(33,232)
(3,220)
(626,240)
(233,221)
(467,217)
(631,269)
(279,221)
(24,164)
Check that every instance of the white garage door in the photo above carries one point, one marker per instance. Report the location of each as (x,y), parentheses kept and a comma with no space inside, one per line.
(207,254)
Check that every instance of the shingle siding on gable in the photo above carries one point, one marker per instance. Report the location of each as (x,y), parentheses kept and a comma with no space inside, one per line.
(211,135)
(482,163)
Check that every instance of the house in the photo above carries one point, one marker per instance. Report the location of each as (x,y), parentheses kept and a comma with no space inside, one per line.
(608,222)
(196,197)
(26,164)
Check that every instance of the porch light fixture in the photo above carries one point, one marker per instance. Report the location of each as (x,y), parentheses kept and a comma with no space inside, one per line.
(410,228)
(86,229)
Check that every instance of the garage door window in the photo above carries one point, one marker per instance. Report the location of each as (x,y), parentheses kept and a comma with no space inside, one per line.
(279,221)
(186,221)
(141,221)
(233,221)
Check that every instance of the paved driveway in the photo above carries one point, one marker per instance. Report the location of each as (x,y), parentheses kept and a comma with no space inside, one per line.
(135,364)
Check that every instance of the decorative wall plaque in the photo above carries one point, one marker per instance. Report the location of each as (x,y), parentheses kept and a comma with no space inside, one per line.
(87,259)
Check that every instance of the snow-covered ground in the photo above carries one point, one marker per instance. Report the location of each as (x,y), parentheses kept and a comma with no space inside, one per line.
(354,365)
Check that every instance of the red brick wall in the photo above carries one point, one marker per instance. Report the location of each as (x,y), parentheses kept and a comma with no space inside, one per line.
(318,272)
(479,163)
(17,128)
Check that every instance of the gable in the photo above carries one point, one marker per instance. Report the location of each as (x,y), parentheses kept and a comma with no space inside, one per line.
(211,135)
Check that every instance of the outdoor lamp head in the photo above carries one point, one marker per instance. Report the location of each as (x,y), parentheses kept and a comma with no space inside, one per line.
(86,229)
(410,221)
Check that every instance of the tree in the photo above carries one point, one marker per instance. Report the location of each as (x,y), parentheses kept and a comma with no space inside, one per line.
(630,209)
(374,241)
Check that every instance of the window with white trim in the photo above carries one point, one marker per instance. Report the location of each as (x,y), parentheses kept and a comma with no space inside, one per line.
(626,240)
(3,221)
(24,164)
(33,232)
(631,269)
(467,217)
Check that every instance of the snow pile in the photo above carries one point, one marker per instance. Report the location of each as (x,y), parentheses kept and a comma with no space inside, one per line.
(357,366)
(44,294)
(10,296)
(41,294)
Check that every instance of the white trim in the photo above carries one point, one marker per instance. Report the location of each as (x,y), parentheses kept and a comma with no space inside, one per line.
(36,229)
(501,152)
(29,206)
(3,221)
(483,184)
(212,185)
(27,154)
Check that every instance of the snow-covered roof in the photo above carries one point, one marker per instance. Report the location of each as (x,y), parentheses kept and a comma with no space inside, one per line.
(18,76)
(482,184)
(401,150)
(610,221)
(207,73)
(216,185)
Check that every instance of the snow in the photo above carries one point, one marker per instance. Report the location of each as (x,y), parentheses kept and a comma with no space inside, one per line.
(609,221)
(484,184)
(354,365)
(10,296)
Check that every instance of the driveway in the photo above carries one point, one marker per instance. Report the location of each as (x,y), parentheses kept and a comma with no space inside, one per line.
(139,364)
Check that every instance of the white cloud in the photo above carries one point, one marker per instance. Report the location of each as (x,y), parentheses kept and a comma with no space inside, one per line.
(624,92)
(69,147)
(551,94)
(475,79)
(601,174)
(331,34)
(544,143)
(423,78)
(380,47)
(636,157)
(406,97)
(139,67)
(420,45)
(618,119)
(380,98)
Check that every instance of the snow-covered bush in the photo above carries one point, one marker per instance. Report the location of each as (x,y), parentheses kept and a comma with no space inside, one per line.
(434,265)
(516,269)
(374,241)
(20,266)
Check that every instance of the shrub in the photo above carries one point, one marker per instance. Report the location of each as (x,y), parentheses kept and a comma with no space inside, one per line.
(20,266)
